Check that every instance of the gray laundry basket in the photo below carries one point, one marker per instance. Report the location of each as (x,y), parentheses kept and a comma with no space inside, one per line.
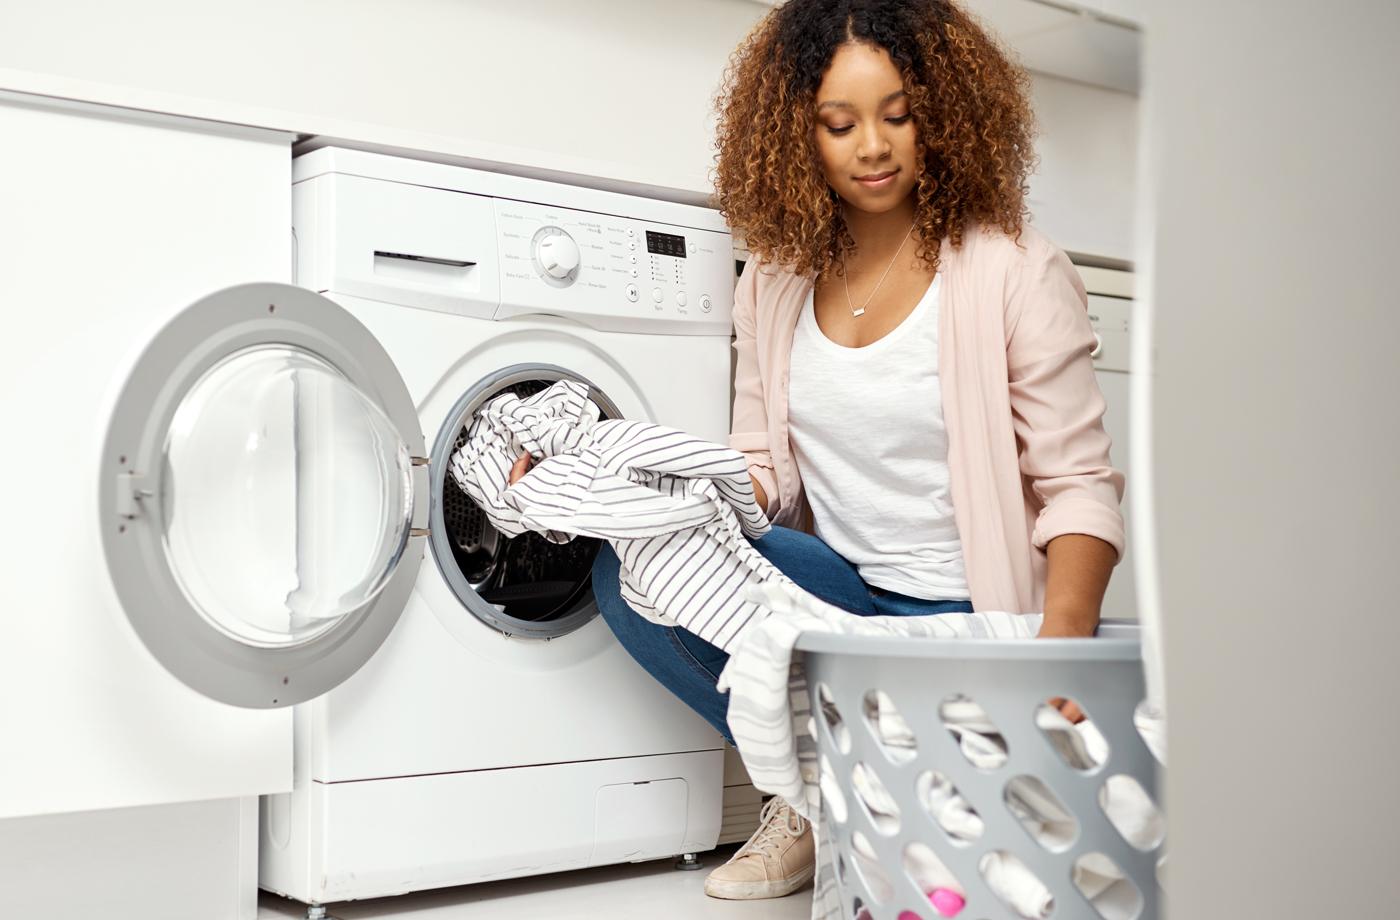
(856,682)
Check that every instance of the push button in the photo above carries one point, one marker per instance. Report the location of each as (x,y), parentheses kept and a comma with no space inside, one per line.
(632,293)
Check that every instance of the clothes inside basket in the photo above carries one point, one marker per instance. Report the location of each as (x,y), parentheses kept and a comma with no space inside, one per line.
(1082,746)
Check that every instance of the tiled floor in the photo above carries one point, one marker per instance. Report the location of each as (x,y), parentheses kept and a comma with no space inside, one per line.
(646,891)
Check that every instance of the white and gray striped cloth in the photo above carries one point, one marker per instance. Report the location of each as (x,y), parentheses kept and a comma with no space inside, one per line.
(678,510)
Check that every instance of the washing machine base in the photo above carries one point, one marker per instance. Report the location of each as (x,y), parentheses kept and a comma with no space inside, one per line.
(328,842)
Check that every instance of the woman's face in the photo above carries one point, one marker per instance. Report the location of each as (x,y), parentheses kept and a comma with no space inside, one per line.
(864,129)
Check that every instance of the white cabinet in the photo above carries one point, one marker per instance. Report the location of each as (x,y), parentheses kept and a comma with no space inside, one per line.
(112,224)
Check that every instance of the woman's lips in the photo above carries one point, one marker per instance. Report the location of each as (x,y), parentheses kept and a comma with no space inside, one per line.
(878,183)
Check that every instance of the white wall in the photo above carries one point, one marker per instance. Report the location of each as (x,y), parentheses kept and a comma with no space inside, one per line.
(1083,196)
(622,82)
(1271,130)
(619,89)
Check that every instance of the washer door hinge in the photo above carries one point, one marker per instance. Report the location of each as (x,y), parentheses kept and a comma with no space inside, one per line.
(132,490)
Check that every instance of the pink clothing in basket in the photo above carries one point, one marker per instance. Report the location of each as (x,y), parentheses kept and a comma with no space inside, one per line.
(1028,454)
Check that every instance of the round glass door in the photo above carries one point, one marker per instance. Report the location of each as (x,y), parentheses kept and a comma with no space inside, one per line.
(264,495)
(287,496)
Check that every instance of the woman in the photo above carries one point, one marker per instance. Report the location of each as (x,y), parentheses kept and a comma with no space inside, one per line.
(914,390)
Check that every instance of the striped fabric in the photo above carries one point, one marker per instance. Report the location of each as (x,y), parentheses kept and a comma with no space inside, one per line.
(770,713)
(679,511)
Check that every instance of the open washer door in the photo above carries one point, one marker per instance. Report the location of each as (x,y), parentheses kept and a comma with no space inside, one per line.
(263,495)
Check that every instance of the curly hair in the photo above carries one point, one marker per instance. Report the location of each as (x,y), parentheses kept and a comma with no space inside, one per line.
(969,102)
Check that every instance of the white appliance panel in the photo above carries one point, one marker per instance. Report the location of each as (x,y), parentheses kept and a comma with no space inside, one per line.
(630,275)
(383,838)
(1111,319)
(377,724)
(429,248)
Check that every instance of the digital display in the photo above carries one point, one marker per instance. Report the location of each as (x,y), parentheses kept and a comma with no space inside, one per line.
(665,244)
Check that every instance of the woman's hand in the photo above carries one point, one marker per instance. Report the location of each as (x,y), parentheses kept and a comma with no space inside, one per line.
(521,467)
(759,495)
(1078,625)
(1069,626)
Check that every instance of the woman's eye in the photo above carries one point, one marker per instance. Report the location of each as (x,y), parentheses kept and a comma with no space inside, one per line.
(846,129)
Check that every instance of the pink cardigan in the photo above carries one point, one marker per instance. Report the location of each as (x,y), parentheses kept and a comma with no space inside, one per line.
(1027,456)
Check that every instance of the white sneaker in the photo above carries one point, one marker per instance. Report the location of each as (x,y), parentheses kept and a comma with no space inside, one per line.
(778,859)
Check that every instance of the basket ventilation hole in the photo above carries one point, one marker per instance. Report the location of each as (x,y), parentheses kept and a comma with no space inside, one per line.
(1132,812)
(892,734)
(948,809)
(942,889)
(831,793)
(872,876)
(1150,724)
(880,806)
(859,911)
(1079,743)
(832,717)
(1041,813)
(1015,885)
(980,741)
(1111,893)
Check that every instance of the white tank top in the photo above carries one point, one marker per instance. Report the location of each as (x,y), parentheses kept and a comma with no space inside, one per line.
(867,430)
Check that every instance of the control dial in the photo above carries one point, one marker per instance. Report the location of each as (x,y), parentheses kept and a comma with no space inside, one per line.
(556,256)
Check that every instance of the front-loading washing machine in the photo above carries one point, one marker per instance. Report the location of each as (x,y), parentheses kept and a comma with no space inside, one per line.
(501,730)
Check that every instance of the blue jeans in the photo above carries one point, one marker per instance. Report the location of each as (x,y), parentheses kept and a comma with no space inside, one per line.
(689,666)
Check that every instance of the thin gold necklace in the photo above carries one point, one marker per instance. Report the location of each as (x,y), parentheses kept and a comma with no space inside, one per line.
(846,278)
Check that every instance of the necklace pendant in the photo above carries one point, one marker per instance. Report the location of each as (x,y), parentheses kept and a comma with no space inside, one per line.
(860,312)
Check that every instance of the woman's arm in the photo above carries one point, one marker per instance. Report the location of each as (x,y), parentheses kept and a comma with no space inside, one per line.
(1057,412)
(748,432)
(1079,567)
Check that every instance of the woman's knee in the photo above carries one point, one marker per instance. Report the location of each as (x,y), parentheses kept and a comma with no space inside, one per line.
(607,589)
(630,628)
(784,545)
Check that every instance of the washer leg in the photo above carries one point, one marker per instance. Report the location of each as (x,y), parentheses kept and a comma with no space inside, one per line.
(316,912)
(688,862)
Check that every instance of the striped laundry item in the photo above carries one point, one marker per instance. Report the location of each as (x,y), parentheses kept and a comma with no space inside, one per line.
(679,511)
(770,712)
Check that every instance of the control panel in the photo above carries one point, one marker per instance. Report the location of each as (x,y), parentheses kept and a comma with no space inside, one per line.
(1111,318)
(613,273)
(492,257)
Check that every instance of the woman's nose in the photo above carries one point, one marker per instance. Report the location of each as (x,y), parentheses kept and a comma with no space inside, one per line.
(873,144)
